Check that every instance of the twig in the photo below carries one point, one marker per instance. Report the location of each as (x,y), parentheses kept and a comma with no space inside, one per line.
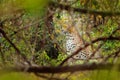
(109,56)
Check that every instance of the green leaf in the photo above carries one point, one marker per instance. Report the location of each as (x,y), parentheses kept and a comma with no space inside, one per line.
(35,6)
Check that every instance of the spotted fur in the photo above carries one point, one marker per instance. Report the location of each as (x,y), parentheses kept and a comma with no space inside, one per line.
(73,42)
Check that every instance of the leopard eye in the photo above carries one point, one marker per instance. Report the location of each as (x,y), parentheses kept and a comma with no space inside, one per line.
(77,56)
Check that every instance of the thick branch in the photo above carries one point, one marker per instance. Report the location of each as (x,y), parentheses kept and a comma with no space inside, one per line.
(64,69)
(85,11)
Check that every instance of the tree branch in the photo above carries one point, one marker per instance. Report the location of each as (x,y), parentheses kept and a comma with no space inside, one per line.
(64,69)
(85,11)
(14,46)
(88,44)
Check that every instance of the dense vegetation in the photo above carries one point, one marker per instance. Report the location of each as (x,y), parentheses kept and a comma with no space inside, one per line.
(32,39)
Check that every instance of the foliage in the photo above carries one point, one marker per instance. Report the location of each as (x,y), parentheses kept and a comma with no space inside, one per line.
(17,76)
(34,31)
